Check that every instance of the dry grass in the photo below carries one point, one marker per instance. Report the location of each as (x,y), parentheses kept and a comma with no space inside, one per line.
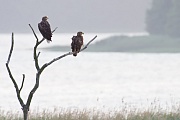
(153,113)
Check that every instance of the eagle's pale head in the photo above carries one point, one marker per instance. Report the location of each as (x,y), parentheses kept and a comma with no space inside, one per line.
(44,18)
(80,33)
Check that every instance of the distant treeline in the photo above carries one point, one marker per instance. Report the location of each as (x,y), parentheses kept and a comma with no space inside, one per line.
(163,18)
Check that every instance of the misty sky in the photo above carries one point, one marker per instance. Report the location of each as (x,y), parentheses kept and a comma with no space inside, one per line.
(74,15)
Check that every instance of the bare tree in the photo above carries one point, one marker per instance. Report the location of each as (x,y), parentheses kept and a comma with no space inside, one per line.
(26,106)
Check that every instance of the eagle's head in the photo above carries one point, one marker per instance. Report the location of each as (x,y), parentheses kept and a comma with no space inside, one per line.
(45,18)
(80,33)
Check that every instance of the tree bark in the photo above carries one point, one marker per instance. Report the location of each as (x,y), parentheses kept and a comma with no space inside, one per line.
(25,113)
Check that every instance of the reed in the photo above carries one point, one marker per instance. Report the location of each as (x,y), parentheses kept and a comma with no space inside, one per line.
(153,113)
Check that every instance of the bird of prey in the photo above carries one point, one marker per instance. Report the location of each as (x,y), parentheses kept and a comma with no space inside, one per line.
(45,29)
(77,42)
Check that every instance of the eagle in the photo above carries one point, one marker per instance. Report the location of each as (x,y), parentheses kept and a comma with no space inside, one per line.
(77,42)
(45,29)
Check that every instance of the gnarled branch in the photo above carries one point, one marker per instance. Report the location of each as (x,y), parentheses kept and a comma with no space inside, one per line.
(39,70)
(11,76)
(25,107)
(36,56)
(69,53)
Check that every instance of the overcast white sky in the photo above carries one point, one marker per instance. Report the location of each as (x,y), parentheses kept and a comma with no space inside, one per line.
(75,15)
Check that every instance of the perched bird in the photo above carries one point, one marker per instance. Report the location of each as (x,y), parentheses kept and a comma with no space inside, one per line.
(45,29)
(77,42)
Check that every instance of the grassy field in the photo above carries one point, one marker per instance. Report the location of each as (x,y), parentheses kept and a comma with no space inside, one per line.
(155,113)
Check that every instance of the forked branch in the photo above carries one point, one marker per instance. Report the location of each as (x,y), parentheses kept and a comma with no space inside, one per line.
(40,69)
(11,76)
(25,107)
(55,59)
(36,56)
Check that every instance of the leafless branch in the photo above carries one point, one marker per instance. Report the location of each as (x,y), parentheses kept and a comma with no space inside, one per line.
(10,74)
(36,57)
(41,41)
(25,107)
(34,33)
(88,43)
(22,83)
(38,54)
(64,55)
(55,29)
(37,40)
(10,53)
(44,38)
(39,70)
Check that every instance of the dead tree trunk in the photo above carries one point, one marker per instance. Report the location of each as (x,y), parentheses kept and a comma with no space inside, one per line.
(26,106)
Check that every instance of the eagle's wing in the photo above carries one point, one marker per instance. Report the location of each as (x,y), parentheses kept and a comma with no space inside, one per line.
(45,29)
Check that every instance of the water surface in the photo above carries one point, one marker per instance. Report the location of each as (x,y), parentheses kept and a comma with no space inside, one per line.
(90,79)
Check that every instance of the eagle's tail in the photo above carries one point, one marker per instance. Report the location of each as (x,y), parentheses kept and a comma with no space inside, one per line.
(48,41)
(75,54)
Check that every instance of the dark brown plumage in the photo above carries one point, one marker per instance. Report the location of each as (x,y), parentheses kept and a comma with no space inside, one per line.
(45,29)
(77,42)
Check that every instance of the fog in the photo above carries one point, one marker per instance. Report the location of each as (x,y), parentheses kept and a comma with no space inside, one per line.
(74,15)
